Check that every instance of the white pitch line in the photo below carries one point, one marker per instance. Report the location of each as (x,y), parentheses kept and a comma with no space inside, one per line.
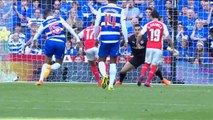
(113,103)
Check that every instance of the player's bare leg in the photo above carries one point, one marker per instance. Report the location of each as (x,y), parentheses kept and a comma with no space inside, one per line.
(102,69)
(95,72)
(127,67)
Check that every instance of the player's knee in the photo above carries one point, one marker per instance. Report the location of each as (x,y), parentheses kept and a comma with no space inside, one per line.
(55,66)
(45,64)
(113,59)
(102,59)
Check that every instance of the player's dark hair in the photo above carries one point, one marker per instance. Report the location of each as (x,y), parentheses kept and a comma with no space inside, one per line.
(47,13)
(211,29)
(160,17)
(155,14)
(112,1)
(137,25)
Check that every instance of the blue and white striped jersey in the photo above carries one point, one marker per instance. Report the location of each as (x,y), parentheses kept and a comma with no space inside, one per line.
(54,29)
(21,37)
(16,47)
(36,51)
(112,19)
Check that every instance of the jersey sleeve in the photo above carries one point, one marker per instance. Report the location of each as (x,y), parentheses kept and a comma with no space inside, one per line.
(97,22)
(123,25)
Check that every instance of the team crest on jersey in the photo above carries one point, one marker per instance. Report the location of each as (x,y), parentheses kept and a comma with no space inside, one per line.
(141,42)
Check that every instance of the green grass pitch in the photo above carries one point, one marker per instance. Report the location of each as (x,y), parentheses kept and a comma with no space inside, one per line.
(72,101)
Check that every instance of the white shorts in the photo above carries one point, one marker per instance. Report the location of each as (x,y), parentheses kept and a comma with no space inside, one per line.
(92,53)
(153,56)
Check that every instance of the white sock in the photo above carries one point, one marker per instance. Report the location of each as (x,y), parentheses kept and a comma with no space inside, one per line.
(112,73)
(102,68)
(55,66)
(43,69)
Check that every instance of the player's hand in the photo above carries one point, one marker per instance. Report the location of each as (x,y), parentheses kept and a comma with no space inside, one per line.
(139,46)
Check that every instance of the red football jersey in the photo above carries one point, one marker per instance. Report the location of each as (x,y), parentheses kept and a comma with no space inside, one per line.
(155,31)
(88,37)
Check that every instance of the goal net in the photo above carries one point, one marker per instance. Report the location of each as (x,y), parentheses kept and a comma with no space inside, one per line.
(188,21)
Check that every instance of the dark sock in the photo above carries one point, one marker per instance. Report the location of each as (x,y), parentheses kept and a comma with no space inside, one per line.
(122,76)
(159,74)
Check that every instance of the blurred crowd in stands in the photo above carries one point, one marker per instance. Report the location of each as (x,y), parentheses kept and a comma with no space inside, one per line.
(191,18)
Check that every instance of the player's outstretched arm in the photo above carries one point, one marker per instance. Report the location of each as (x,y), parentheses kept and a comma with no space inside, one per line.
(171,48)
(39,31)
(97,22)
(169,39)
(67,26)
(81,36)
(167,36)
(123,26)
